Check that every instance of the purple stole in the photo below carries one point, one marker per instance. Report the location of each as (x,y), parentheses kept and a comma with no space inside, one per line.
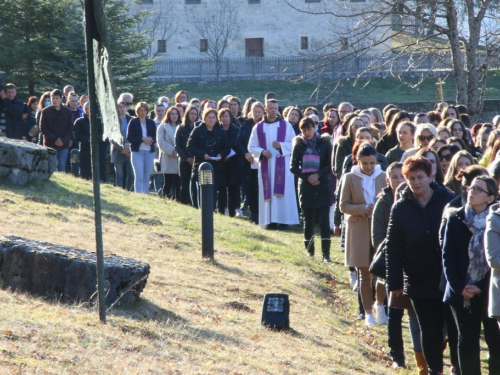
(279,176)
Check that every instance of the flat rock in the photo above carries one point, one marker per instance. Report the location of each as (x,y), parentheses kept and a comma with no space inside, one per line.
(21,162)
(67,274)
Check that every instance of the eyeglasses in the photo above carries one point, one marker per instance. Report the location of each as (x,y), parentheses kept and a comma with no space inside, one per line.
(316,122)
(425,137)
(446,157)
(128,103)
(477,190)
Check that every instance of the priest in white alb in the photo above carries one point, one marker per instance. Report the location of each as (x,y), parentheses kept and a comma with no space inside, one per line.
(271,145)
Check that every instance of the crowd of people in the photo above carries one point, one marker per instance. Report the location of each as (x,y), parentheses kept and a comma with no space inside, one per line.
(417,190)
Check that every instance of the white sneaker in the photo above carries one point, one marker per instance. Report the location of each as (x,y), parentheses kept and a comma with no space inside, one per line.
(380,313)
(238,212)
(369,320)
(355,287)
(353,277)
(226,213)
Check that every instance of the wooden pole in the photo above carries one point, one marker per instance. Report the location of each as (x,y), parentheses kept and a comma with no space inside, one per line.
(90,28)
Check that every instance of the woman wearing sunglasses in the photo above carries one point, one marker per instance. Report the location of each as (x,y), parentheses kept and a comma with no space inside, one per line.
(424,134)
(444,154)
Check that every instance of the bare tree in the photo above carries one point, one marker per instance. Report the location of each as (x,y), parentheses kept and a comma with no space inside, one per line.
(217,27)
(158,24)
(415,36)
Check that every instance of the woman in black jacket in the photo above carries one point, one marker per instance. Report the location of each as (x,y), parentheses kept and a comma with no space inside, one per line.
(249,166)
(208,143)
(468,277)
(188,187)
(229,192)
(414,256)
(311,162)
(141,134)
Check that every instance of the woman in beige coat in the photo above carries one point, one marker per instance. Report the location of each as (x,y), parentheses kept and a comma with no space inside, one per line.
(168,156)
(359,192)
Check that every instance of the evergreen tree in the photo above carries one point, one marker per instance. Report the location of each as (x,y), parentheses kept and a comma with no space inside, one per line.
(42,46)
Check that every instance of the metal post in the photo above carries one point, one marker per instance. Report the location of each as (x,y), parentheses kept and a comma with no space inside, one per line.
(89,43)
(206,181)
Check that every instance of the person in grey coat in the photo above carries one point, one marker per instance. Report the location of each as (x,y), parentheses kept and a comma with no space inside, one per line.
(492,245)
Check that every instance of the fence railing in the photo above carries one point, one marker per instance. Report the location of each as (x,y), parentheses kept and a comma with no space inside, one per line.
(311,66)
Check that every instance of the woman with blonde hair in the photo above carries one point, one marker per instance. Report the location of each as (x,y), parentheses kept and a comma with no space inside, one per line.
(494,135)
(168,154)
(141,134)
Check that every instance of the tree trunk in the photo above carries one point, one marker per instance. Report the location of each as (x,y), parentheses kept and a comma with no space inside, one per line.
(456,54)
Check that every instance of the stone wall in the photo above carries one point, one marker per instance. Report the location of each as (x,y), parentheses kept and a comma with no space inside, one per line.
(21,161)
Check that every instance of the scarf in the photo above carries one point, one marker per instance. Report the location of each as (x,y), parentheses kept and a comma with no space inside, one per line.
(311,159)
(368,182)
(478,267)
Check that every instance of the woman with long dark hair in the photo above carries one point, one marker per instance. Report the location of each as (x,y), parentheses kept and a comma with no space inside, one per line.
(188,188)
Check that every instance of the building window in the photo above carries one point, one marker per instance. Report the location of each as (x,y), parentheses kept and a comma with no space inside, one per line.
(313,1)
(254,47)
(304,42)
(145,1)
(203,45)
(253,1)
(193,1)
(358,1)
(162,46)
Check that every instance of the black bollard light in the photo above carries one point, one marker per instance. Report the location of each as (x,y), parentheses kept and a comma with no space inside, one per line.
(276,311)
(206,181)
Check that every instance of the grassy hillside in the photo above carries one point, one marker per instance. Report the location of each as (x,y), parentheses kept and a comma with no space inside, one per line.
(195,317)
(387,90)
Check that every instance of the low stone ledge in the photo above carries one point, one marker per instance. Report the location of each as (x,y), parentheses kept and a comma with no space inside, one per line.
(67,274)
(21,162)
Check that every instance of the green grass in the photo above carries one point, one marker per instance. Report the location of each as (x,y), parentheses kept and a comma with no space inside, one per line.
(379,90)
(183,323)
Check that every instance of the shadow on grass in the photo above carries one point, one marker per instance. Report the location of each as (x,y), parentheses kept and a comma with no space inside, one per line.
(146,311)
(224,267)
(50,192)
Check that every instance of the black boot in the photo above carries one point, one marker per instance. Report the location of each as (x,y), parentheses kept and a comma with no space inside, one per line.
(325,248)
(309,244)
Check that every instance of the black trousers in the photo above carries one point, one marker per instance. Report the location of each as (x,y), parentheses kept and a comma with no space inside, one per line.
(185,181)
(229,196)
(172,186)
(468,322)
(430,316)
(319,215)
(250,180)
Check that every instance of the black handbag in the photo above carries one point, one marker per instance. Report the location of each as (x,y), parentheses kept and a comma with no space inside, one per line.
(377,266)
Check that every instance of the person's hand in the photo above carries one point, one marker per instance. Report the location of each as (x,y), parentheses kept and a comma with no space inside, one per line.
(24,139)
(276,145)
(147,140)
(313,179)
(219,157)
(174,154)
(58,142)
(24,116)
(206,157)
(369,209)
(398,292)
(190,160)
(336,231)
(2,94)
(470,291)
(249,157)
(267,154)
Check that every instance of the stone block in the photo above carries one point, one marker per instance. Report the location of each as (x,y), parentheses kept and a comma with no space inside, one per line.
(67,274)
(21,162)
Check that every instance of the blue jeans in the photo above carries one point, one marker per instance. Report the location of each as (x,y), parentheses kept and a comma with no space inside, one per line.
(142,161)
(62,158)
(125,182)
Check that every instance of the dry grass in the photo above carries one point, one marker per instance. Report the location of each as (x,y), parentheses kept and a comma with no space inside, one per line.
(185,322)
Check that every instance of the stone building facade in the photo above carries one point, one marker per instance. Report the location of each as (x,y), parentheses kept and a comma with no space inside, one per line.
(267,28)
